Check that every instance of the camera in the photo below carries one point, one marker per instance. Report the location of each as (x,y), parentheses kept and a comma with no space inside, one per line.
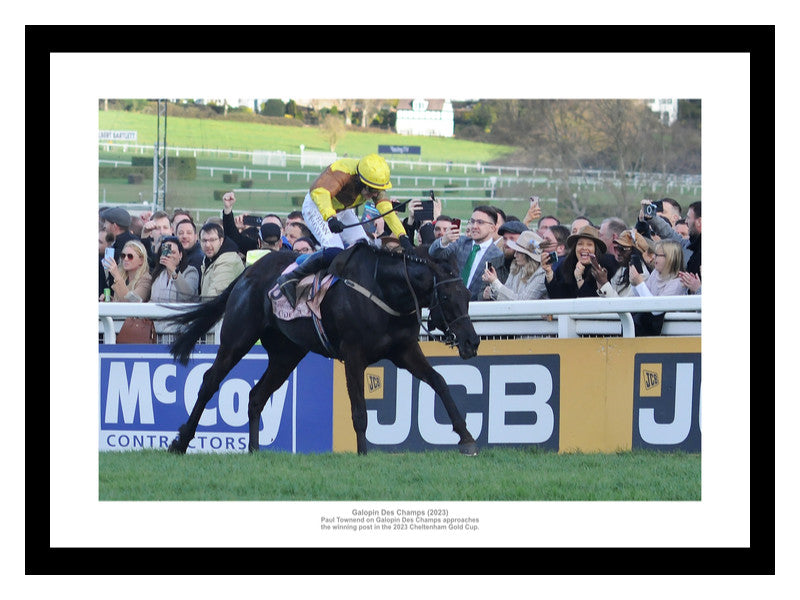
(552,256)
(252,221)
(636,260)
(650,210)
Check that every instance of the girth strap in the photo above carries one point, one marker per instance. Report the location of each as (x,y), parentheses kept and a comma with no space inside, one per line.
(370,296)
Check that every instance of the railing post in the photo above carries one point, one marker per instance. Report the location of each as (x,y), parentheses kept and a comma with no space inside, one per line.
(628,329)
(566,327)
(109,335)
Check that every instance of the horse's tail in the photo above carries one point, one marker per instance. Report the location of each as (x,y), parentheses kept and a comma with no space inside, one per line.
(197,322)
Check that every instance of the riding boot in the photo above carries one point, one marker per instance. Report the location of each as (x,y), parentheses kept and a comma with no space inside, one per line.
(288,282)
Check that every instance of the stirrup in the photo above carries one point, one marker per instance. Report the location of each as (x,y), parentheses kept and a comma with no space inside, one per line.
(288,289)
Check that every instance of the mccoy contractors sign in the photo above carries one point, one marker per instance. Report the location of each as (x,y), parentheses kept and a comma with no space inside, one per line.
(145,396)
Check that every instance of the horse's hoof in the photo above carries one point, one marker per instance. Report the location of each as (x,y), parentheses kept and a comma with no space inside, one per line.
(175,448)
(468,449)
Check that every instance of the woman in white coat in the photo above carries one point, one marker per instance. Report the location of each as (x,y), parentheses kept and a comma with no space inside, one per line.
(525,277)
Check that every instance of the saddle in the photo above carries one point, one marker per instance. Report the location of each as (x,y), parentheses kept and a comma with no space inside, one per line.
(311,291)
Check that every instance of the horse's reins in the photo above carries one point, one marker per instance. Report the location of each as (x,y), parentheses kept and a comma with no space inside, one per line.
(370,296)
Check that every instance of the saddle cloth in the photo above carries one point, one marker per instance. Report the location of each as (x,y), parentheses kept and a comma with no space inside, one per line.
(310,293)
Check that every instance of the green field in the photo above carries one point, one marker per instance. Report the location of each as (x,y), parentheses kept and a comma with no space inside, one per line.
(283,187)
(526,474)
(235,135)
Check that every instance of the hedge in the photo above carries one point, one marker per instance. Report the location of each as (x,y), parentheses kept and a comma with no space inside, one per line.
(106,172)
(178,167)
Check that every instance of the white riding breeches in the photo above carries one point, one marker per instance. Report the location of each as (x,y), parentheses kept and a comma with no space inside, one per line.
(319,227)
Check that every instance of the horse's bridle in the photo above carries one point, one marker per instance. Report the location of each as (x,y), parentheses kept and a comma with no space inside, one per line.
(449,337)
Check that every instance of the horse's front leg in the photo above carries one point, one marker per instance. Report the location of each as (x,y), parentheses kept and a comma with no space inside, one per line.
(414,361)
(354,374)
(283,358)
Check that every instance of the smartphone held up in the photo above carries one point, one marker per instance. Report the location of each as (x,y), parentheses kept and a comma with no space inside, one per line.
(108,257)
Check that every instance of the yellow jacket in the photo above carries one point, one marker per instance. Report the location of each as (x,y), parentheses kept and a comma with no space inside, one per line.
(338,188)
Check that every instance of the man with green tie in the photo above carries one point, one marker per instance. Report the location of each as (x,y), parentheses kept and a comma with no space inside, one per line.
(473,251)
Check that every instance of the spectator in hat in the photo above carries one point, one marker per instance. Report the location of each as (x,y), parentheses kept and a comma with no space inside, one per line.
(222,263)
(269,240)
(631,249)
(574,278)
(509,232)
(273,218)
(117,222)
(526,277)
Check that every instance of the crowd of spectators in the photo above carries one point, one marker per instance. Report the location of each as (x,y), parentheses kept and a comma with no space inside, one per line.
(158,257)
(540,258)
(169,258)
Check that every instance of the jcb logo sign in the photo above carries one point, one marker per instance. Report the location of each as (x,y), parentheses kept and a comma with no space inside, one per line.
(666,407)
(373,383)
(650,379)
(505,401)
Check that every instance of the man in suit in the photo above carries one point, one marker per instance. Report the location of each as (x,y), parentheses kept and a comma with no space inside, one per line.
(473,251)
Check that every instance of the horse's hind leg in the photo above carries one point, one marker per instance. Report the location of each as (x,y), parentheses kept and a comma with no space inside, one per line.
(283,358)
(413,360)
(228,355)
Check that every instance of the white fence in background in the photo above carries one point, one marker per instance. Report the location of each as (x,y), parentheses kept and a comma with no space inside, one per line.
(587,176)
(564,318)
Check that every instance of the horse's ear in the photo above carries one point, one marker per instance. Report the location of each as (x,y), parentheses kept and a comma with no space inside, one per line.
(447,263)
(422,252)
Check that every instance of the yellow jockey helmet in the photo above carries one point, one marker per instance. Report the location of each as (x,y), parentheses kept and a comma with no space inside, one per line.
(374,172)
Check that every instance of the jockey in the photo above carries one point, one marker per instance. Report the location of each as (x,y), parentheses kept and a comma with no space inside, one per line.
(328,208)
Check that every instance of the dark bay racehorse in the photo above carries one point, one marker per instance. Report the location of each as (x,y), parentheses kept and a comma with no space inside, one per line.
(359,331)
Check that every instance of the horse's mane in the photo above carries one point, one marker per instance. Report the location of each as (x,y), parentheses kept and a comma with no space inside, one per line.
(420,257)
(380,251)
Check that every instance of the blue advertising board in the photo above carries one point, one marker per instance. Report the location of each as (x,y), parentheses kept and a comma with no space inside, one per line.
(145,396)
